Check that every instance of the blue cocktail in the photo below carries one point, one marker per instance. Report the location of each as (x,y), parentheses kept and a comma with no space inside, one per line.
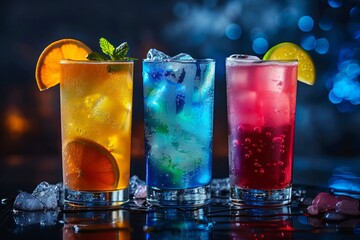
(178,109)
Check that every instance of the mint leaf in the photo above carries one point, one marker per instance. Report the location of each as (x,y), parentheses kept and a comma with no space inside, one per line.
(95,56)
(121,51)
(115,54)
(107,47)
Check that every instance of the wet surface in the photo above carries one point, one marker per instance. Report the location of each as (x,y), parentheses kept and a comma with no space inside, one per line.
(137,220)
(219,220)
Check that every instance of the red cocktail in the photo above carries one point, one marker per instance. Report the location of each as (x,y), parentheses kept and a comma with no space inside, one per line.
(261,99)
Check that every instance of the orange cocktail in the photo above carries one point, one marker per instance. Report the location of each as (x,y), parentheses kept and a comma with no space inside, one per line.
(96,110)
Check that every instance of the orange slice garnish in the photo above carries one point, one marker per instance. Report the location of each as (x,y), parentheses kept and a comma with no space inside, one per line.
(47,71)
(89,166)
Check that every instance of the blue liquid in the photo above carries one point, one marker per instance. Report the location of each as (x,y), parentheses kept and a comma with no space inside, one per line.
(178,110)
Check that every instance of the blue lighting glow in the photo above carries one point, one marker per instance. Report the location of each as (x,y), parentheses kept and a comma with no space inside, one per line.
(233,31)
(308,42)
(334,98)
(181,9)
(326,23)
(306,23)
(335,3)
(260,45)
(257,33)
(345,90)
(322,45)
(355,13)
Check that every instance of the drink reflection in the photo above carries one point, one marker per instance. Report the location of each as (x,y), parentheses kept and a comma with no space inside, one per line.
(262,223)
(177,224)
(97,225)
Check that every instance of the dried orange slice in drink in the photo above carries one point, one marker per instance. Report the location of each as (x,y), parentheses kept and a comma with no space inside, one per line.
(47,71)
(89,166)
(291,51)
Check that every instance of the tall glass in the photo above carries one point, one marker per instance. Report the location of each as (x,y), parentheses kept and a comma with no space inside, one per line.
(178,109)
(96,111)
(261,100)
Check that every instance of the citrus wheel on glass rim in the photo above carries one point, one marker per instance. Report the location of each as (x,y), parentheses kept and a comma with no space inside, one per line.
(291,51)
(47,71)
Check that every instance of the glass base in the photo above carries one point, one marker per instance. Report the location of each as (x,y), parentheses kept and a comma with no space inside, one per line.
(188,198)
(254,197)
(96,199)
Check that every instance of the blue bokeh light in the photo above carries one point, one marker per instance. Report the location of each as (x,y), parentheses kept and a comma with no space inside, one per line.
(346,85)
(335,3)
(233,31)
(322,45)
(306,23)
(308,42)
(326,23)
(260,45)
(355,13)
(334,98)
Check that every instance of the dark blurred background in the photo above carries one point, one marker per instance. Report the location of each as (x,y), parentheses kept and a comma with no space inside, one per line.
(328,114)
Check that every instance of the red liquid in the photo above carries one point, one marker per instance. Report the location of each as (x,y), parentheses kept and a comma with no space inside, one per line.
(261,157)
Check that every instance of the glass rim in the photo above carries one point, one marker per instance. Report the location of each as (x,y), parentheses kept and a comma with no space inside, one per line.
(69,61)
(201,60)
(242,61)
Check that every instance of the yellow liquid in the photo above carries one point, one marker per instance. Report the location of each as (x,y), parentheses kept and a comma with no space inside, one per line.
(96,111)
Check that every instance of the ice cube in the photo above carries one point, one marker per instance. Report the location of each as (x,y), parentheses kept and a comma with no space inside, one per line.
(48,194)
(155,54)
(220,186)
(183,57)
(244,57)
(140,192)
(135,183)
(45,196)
(26,201)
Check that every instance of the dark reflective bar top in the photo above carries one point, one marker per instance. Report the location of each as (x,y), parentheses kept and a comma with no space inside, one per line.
(219,220)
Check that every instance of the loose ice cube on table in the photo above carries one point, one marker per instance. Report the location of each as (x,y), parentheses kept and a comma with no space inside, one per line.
(135,183)
(45,196)
(155,54)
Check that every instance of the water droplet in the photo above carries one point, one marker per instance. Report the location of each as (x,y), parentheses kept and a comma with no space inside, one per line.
(247,140)
(277,140)
(282,146)
(254,144)
(280,163)
(268,134)
(282,135)
(236,143)
(258,150)
(262,170)
(282,151)
(257,164)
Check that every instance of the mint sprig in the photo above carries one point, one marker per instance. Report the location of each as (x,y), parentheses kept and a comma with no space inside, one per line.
(115,54)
